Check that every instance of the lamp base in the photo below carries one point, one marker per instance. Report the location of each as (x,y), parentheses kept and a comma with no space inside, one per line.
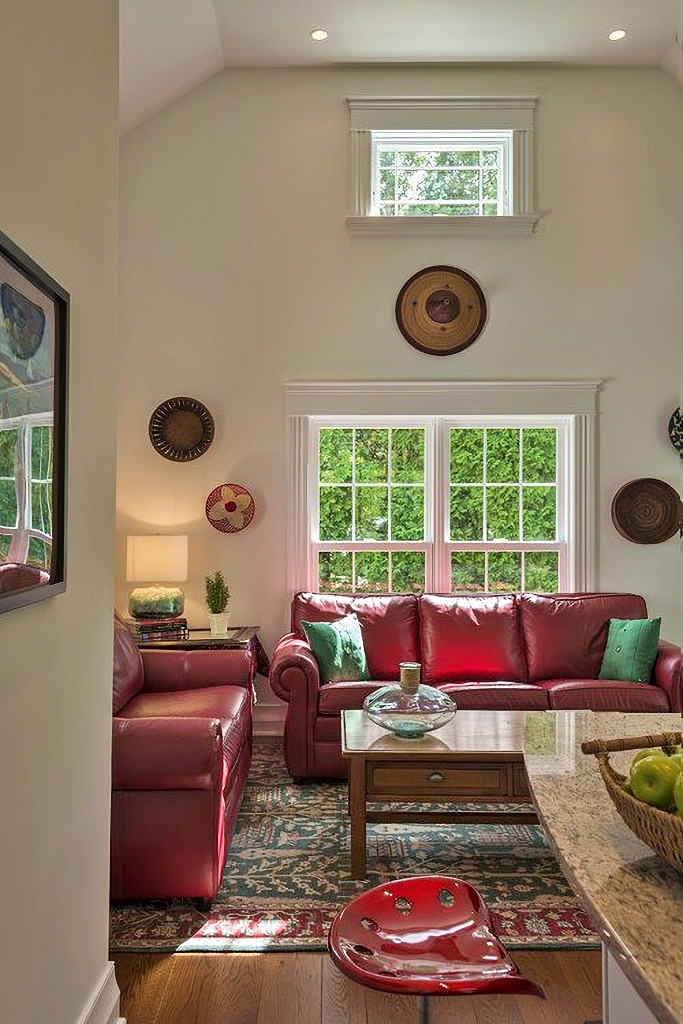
(156,602)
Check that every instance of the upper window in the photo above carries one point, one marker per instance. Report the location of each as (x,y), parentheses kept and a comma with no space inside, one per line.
(456,174)
(442,164)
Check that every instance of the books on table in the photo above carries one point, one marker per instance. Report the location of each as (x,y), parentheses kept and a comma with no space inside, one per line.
(158,629)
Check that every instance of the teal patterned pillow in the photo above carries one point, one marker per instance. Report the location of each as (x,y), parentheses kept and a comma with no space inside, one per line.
(631,650)
(338,648)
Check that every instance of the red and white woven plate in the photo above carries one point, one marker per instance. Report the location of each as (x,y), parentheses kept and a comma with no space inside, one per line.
(230,508)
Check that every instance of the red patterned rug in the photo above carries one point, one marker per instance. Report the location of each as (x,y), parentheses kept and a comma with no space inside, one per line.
(287,874)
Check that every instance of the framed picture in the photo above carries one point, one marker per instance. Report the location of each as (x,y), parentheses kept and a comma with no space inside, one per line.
(34,338)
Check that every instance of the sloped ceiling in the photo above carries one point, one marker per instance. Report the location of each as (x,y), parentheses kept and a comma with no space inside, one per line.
(168,47)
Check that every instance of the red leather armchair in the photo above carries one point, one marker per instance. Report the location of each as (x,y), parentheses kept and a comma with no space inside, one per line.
(181,751)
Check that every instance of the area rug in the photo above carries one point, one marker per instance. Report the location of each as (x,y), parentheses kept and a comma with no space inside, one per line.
(287,875)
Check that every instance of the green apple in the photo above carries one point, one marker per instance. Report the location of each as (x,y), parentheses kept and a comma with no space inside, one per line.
(653,779)
(678,794)
(648,752)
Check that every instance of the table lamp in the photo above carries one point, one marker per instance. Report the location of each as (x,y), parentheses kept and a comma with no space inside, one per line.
(161,559)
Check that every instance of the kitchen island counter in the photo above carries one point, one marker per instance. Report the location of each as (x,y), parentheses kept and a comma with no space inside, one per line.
(633,897)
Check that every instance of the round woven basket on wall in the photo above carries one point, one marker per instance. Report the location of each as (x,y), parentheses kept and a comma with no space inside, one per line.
(647,511)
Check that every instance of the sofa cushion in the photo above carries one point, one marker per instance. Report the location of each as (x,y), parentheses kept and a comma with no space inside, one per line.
(470,639)
(337,697)
(498,696)
(231,705)
(565,634)
(128,672)
(388,622)
(605,695)
(631,649)
(338,648)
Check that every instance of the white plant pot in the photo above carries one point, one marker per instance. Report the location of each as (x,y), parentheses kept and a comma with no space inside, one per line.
(218,623)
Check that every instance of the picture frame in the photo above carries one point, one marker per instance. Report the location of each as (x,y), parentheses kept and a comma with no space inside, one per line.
(34,344)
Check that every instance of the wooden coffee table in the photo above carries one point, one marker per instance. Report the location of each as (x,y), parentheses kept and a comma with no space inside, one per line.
(476,758)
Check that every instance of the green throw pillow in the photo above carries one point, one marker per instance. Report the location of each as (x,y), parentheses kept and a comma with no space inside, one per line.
(631,649)
(338,648)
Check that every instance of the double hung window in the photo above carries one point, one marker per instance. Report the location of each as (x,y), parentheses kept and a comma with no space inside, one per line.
(439,503)
(446,502)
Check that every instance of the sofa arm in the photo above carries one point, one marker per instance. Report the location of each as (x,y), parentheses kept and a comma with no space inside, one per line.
(295,678)
(169,670)
(668,673)
(166,753)
(294,674)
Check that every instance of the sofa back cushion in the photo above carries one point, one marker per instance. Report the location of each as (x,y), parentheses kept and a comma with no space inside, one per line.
(128,671)
(471,639)
(565,634)
(388,623)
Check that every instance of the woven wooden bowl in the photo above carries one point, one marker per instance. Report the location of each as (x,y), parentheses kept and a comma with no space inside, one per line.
(660,830)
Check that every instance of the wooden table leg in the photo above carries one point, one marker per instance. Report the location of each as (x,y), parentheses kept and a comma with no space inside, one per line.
(357,816)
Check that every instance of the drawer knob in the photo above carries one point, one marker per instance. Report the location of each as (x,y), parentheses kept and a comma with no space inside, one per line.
(436,777)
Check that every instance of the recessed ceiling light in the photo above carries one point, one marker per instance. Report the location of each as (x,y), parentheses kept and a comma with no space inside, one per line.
(619,33)
(319,33)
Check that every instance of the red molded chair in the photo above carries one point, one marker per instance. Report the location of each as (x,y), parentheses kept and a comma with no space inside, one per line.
(429,935)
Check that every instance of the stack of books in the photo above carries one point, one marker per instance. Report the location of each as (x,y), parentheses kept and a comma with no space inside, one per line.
(158,629)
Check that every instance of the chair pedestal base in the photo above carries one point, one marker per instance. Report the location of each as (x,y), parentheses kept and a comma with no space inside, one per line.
(423,1010)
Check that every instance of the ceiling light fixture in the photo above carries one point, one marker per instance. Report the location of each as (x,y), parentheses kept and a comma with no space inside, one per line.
(319,33)
(619,33)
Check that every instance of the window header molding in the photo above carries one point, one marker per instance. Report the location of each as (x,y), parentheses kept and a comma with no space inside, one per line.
(442,398)
(436,113)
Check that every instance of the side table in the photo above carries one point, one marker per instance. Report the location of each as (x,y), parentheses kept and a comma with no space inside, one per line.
(237,637)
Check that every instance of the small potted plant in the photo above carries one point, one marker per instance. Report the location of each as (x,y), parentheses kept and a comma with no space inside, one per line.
(217,596)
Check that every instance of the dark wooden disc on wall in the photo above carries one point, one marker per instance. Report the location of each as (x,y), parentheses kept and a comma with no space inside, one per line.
(181,429)
(647,511)
(441,310)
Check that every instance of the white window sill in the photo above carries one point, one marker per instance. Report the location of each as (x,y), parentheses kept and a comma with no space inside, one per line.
(521,225)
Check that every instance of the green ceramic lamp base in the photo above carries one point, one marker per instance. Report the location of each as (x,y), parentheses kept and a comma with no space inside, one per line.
(156,602)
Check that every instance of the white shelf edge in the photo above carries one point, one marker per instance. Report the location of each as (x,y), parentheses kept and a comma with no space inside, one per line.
(521,225)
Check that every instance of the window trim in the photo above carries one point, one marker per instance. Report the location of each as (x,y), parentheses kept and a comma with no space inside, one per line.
(576,400)
(443,113)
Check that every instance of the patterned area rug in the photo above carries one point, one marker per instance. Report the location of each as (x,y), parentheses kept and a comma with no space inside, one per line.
(287,874)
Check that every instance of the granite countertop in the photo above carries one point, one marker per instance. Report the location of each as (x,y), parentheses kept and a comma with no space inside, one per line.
(633,897)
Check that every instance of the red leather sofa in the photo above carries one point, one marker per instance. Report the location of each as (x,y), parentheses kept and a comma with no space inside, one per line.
(181,751)
(493,652)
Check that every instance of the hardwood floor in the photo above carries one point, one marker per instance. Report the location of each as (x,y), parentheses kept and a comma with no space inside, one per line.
(306,988)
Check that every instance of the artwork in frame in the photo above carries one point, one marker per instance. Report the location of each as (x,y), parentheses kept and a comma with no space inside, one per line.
(34,338)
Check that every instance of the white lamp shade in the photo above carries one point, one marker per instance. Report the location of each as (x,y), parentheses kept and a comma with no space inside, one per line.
(157,559)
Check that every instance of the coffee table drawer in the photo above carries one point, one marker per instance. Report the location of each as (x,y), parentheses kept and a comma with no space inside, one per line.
(430,779)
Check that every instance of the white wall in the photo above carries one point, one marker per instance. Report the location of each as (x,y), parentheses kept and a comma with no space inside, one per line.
(58,172)
(238,274)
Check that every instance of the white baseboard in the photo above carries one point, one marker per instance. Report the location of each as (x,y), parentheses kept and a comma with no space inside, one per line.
(269,719)
(104,1003)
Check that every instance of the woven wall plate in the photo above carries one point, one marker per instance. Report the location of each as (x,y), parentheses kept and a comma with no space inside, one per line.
(230,508)
(676,430)
(647,511)
(181,429)
(441,310)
